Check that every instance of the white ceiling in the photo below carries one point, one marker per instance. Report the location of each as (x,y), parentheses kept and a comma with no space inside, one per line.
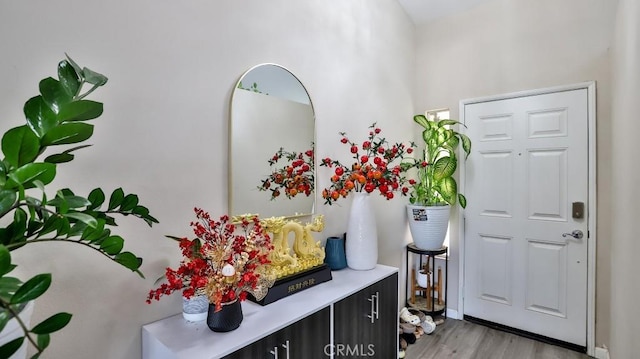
(424,11)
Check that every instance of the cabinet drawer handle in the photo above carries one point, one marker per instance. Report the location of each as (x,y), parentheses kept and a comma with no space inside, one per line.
(274,352)
(373,310)
(377,297)
(286,346)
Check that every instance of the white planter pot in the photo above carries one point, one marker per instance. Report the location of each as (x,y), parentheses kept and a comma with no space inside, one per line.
(428,225)
(13,330)
(195,309)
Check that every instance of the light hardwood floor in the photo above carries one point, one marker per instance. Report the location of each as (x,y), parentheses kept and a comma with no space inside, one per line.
(464,340)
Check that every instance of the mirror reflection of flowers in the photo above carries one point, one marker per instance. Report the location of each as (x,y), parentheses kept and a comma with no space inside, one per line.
(294,177)
(377,165)
(225,261)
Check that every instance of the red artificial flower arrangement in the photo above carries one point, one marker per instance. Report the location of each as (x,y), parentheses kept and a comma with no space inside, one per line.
(225,261)
(377,165)
(294,178)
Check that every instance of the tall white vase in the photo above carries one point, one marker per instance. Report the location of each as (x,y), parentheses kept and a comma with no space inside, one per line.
(361,246)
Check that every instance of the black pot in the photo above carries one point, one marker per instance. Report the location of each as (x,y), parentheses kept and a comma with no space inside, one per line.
(226,319)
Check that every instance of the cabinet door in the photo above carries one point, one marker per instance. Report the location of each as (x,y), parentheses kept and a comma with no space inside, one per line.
(365,323)
(303,339)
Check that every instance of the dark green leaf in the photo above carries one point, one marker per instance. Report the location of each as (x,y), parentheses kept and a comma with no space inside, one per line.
(59,158)
(52,324)
(446,122)
(43,342)
(74,65)
(68,133)
(141,211)
(93,77)
(129,260)
(53,94)
(27,174)
(70,201)
(4,319)
(5,260)
(7,350)
(40,118)
(112,245)
(32,289)
(69,78)
(129,202)
(84,218)
(94,233)
(53,223)
(20,146)
(96,197)
(116,198)
(462,200)
(80,111)
(8,286)
(7,199)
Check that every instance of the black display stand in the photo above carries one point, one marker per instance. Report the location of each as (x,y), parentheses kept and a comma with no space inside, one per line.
(294,283)
(430,299)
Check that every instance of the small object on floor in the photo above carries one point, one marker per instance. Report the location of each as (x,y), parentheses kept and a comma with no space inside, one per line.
(419,314)
(428,326)
(419,332)
(409,337)
(401,353)
(407,328)
(406,316)
(439,321)
(403,343)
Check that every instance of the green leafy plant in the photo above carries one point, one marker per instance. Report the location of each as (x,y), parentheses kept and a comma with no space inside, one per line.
(435,184)
(58,116)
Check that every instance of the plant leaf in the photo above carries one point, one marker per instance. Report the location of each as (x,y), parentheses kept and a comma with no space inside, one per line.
(40,118)
(32,289)
(129,260)
(448,190)
(7,199)
(112,245)
(93,77)
(96,197)
(7,350)
(462,200)
(52,324)
(54,94)
(116,198)
(444,167)
(68,133)
(5,260)
(30,173)
(59,158)
(466,144)
(80,111)
(84,218)
(20,146)
(422,121)
(129,203)
(69,78)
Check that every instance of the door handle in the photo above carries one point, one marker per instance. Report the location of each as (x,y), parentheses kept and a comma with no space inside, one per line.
(577,234)
(286,346)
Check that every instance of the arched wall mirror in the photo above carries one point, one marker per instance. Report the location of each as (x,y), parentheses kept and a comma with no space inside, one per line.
(271,113)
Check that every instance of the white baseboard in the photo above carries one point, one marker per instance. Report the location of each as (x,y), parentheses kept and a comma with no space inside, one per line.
(452,313)
(602,353)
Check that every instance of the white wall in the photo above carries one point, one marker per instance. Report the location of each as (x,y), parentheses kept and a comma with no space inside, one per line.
(504,46)
(625,312)
(172,66)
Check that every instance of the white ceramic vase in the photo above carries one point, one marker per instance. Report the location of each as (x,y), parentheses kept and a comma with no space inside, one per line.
(428,225)
(361,246)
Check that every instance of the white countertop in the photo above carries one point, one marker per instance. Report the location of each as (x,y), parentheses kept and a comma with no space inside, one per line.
(175,338)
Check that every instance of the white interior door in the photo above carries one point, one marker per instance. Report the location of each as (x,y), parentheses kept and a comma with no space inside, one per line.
(528,166)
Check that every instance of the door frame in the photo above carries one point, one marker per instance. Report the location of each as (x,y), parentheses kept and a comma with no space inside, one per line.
(590,86)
